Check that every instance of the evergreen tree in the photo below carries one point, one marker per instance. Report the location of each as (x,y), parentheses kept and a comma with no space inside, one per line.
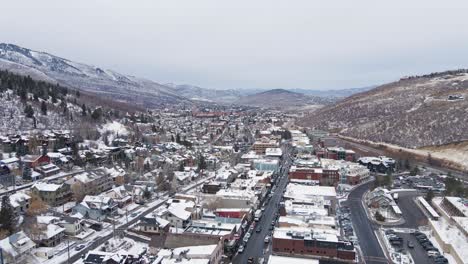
(201,163)
(27,173)
(44,108)
(7,215)
(97,114)
(407,164)
(83,110)
(429,195)
(29,111)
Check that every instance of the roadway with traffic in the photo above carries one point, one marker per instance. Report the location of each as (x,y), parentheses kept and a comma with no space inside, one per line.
(256,246)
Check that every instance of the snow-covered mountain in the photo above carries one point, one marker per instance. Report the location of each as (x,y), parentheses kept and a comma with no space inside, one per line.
(412,112)
(44,66)
(281,98)
(204,94)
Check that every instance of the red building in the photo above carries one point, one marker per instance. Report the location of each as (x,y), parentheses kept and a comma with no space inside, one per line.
(35,160)
(232,212)
(299,173)
(307,243)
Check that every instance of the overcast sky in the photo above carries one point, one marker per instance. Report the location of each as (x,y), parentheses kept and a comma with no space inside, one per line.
(248,44)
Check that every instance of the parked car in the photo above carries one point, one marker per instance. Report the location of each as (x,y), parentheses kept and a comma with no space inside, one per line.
(79,247)
(240,249)
(267,239)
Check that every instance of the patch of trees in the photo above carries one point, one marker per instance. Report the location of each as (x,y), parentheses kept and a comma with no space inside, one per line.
(454,187)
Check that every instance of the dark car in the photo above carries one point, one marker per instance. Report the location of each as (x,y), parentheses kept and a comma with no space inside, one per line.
(259,229)
(79,247)
(410,244)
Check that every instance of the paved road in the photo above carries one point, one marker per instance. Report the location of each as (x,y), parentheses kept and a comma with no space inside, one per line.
(363,227)
(256,247)
(418,253)
(368,150)
(412,213)
(100,240)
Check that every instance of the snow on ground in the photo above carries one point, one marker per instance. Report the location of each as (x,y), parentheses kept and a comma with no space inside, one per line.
(456,155)
(115,129)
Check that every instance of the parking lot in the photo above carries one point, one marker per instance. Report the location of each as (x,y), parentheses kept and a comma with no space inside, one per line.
(417,244)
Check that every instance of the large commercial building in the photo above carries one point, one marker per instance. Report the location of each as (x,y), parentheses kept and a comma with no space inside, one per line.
(317,243)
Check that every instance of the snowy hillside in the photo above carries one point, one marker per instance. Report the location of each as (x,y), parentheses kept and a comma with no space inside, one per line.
(48,67)
(412,112)
(204,94)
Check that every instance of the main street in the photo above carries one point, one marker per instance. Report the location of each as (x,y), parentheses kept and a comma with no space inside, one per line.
(256,246)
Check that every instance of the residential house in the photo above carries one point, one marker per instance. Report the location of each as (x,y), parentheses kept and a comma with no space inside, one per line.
(96,207)
(153,224)
(72,225)
(34,161)
(52,194)
(50,234)
(92,182)
(20,202)
(16,246)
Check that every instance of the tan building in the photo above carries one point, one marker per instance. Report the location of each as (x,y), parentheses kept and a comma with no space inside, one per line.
(261,145)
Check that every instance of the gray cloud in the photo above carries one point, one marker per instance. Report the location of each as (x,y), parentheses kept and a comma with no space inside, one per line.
(245,43)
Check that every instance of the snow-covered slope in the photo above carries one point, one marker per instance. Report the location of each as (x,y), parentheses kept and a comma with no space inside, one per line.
(280,98)
(204,94)
(412,112)
(48,67)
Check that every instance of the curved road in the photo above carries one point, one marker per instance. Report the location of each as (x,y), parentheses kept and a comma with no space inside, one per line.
(363,227)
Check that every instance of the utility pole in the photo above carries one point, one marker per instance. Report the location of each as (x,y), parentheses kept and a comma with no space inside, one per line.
(68,250)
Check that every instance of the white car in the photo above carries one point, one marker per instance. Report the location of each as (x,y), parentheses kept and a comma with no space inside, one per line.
(240,249)
(267,239)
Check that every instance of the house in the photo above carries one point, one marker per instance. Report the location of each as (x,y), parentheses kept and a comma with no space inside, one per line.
(50,236)
(16,246)
(33,161)
(52,194)
(100,257)
(92,182)
(153,224)
(48,170)
(20,202)
(176,215)
(192,254)
(96,207)
(72,225)
(184,177)
(120,195)
(379,198)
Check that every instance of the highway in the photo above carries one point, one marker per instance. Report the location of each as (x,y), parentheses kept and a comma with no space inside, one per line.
(256,246)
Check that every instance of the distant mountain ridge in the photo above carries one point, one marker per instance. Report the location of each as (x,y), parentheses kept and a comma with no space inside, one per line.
(89,78)
(281,98)
(413,112)
(142,92)
(204,94)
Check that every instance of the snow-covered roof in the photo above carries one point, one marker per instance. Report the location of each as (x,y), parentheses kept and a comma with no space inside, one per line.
(46,187)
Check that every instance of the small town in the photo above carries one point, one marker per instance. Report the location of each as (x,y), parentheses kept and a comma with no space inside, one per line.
(234,132)
(237,185)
